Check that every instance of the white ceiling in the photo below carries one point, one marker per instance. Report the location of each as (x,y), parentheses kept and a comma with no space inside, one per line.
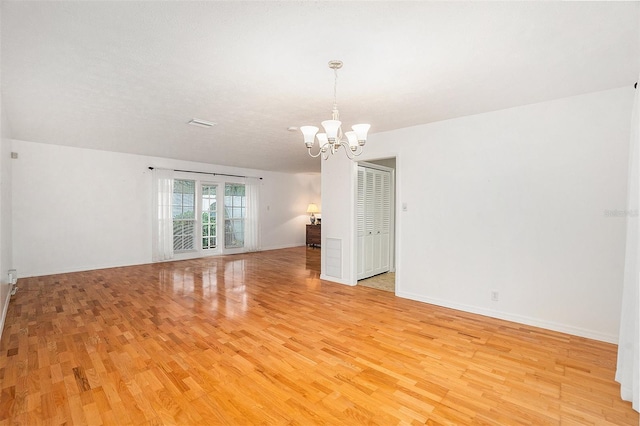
(128,76)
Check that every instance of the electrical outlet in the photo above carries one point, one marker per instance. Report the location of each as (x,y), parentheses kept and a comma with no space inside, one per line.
(13,280)
(495,296)
(13,276)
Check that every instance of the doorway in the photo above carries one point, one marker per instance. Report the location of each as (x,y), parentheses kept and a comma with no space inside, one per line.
(375,224)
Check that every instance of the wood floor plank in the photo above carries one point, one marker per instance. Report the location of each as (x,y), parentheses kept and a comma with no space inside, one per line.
(260,339)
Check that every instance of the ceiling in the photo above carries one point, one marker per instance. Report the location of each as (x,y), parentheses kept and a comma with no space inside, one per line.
(128,76)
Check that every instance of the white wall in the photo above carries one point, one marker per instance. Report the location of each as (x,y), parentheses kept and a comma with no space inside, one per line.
(338,213)
(6,257)
(284,199)
(78,209)
(514,201)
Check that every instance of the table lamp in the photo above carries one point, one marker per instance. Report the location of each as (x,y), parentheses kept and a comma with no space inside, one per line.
(312,209)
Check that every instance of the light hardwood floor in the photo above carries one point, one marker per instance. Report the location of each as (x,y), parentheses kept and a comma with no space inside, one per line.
(260,339)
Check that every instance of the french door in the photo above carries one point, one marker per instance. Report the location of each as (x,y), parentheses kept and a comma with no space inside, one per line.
(222,211)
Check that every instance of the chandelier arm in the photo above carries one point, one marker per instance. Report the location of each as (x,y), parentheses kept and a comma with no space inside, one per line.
(325,150)
(349,153)
(314,155)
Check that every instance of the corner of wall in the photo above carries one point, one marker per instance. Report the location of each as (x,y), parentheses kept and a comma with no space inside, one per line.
(6,234)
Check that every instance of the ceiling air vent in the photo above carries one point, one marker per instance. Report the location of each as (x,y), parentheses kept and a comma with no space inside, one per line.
(201,123)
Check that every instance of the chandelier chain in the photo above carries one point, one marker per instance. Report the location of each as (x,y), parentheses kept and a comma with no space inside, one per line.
(335,93)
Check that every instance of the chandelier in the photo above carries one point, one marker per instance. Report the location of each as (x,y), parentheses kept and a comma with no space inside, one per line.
(333,138)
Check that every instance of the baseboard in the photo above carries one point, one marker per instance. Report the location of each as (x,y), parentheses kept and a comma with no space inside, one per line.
(25,273)
(336,280)
(520,319)
(285,246)
(4,311)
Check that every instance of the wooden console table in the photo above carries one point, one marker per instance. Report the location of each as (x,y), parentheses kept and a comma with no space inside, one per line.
(314,234)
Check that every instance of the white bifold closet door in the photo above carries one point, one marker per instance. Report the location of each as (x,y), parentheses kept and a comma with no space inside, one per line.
(373,221)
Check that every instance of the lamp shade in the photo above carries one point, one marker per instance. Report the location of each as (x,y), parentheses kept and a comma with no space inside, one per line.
(361,131)
(309,133)
(331,128)
(322,139)
(313,208)
(352,138)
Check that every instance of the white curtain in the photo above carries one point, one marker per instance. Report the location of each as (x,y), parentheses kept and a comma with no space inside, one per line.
(162,219)
(628,370)
(251,221)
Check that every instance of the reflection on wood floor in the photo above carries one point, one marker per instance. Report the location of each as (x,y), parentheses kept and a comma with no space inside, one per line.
(259,338)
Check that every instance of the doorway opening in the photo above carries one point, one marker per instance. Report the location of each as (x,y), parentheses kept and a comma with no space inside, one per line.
(375,224)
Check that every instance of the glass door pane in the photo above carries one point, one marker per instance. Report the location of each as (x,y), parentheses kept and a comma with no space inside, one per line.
(209,216)
(234,214)
(184,219)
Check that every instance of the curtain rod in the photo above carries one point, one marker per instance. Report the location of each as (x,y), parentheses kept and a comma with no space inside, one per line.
(210,173)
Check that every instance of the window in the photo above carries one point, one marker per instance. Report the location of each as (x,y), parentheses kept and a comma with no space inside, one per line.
(234,215)
(209,216)
(184,218)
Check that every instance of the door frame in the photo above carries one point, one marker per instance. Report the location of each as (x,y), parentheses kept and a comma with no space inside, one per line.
(392,226)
